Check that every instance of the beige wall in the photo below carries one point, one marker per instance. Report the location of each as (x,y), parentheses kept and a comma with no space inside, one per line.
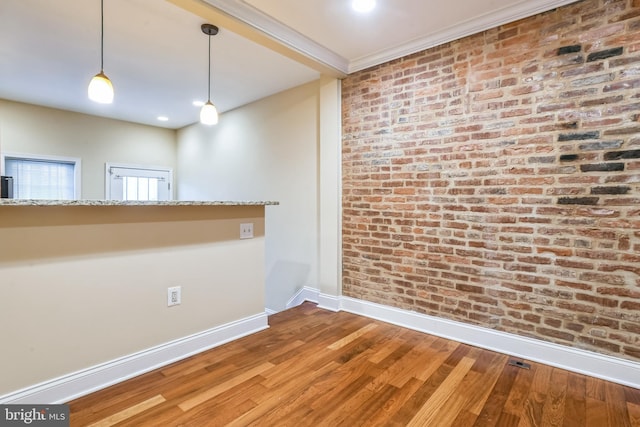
(329,234)
(285,147)
(86,285)
(31,129)
(95,280)
(268,150)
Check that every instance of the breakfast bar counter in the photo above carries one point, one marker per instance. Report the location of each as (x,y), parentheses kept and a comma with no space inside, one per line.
(85,288)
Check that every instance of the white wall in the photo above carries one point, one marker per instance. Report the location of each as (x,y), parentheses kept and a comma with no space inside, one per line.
(267,150)
(32,129)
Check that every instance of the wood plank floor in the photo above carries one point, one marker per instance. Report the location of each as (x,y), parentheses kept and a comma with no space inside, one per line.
(318,368)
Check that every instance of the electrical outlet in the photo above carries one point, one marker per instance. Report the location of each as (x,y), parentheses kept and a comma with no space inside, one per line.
(246,230)
(174,296)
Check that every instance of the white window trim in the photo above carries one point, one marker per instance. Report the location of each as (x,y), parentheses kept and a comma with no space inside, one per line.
(109,165)
(76,161)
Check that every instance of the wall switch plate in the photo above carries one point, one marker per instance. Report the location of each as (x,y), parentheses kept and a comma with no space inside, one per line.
(246,230)
(174,296)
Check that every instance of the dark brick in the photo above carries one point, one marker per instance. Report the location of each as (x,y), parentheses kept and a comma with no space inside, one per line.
(603,54)
(616,155)
(569,49)
(578,136)
(602,167)
(602,145)
(578,200)
(568,157)
(610,190)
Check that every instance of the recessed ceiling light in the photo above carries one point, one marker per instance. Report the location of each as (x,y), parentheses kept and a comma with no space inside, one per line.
(163,118)
(363,6)
(198,103)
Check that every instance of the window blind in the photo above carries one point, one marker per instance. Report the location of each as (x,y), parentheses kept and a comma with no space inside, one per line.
(41,179)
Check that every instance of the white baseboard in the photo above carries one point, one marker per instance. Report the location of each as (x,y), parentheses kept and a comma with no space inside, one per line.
(304,294)
(581,361)
(68,387)
(327,302)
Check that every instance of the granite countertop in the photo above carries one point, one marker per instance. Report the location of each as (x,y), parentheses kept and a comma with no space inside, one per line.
(96,202)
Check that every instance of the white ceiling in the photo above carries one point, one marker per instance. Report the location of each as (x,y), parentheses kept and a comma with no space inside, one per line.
(156,55)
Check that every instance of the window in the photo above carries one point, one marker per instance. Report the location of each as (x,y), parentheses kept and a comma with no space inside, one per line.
(128,182)
(43,177)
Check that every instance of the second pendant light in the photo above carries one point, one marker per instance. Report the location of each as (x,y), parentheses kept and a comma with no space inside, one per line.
(209,112)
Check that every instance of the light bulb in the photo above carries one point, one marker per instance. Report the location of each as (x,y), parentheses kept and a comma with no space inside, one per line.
(363,5)
(209,114)
(100,89)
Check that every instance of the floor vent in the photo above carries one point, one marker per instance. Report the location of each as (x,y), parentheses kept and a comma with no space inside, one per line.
(519,364)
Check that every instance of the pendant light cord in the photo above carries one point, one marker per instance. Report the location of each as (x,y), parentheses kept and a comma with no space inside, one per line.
(101,36)
(209,92)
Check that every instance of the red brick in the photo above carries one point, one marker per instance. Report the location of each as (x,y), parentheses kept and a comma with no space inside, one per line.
(452,174)
(605,302)
(630,305)
(554,333)
(563,252)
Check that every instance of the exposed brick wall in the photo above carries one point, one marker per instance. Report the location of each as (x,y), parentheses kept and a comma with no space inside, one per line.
(495,180)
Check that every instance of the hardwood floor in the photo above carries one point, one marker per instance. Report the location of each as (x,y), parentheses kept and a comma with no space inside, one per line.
(318,368)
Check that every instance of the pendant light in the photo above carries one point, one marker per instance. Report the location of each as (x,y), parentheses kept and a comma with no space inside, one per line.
(209,112)
(100,88)
(363,6)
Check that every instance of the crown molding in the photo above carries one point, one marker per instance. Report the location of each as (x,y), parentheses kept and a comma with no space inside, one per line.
(292,39)
(481,23)
(283,34)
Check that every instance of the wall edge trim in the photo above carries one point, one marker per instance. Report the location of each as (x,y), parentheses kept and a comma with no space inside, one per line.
(80,383)
(306,293)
